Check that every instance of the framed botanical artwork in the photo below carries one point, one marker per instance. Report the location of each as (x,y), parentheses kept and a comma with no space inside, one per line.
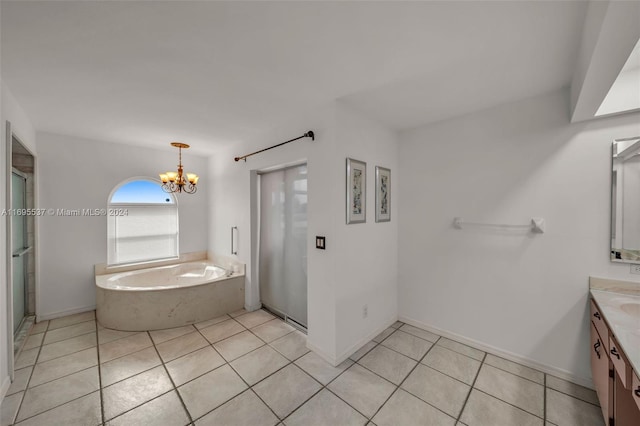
(356,191)
(383,194)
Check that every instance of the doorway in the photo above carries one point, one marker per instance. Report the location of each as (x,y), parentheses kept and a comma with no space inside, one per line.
(283,243)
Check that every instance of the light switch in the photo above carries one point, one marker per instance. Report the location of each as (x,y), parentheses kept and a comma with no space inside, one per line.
(320,243)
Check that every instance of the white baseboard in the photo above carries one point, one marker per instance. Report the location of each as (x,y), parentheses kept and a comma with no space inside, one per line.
(337,360)
(527,362)
(54,315)
(6,382)
(360,343)
(322,354)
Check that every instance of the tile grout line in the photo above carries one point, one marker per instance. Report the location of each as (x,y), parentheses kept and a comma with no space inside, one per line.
(24,394)
(573,396)
(403,380)
(510,404)
(500,399)
(356,362)
(369,419)
(322,386)
(144,371)
(173,384)
(59,405)
(544,398)
(249,387)
(62,377)
(473,386)
(185,354)
(50,330)
(399,387)
(289,362)
(325,387)
(100,376)
(516,374)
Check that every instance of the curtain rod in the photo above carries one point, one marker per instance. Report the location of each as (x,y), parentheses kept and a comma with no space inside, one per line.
(309,134)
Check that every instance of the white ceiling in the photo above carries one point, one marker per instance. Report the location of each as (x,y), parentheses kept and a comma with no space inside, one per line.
(214,73)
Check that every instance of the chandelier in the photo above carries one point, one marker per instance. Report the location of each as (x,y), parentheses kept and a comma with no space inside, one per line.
(176,181)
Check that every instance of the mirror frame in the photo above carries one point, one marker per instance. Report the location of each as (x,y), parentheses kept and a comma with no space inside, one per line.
(615,253)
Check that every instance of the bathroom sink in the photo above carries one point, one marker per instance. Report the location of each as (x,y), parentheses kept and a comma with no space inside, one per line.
(631,308)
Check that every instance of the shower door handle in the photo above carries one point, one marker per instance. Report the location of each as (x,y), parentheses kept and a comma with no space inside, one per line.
(234,250)
(22,252)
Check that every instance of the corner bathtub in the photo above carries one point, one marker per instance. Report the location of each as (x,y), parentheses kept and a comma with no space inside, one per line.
(167,296)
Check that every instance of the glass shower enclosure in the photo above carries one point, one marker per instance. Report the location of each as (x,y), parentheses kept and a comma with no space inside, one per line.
(283,243)
(19,247)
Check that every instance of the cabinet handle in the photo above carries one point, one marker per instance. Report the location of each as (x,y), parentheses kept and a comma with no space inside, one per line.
(597,315)
(595,348)
(637,392)
(614,351)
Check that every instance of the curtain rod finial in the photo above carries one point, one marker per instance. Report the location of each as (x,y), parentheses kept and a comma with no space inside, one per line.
(311,135)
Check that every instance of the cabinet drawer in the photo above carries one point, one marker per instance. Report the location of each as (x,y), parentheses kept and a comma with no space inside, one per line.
(601,326)
(635,389)
(620,363)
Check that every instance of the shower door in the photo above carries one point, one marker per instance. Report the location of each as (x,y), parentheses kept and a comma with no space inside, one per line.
(19,248)
(283,243)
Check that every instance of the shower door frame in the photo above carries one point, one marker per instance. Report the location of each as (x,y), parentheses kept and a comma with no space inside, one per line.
(25,308)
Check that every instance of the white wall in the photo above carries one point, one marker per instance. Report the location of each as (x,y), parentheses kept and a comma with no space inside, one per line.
(341,278)
(524,294)
(79,174)
(367,264)
(10,111)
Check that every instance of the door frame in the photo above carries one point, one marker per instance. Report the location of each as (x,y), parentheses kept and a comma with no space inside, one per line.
(9,254)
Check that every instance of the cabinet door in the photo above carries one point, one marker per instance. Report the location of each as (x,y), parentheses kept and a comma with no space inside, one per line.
(635,390)
(620,362)
(601,326)
(627,412)
(600,371)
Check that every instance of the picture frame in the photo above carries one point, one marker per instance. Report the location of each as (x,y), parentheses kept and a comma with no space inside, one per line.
(383,194)
(356,191)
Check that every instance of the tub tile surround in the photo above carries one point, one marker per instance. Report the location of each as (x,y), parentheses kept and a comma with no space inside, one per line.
(610,295)
(123,379)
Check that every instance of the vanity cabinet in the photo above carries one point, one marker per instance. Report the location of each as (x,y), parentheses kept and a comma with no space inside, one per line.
(617,385)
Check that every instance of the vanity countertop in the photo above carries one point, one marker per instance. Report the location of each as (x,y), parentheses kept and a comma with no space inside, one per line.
(619,303)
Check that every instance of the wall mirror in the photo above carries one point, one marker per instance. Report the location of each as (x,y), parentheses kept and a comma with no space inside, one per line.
(625,200)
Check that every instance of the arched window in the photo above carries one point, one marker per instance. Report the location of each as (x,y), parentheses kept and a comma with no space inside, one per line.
(142,222)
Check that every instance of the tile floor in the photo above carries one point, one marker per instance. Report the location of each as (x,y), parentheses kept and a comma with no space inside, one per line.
(253,369)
